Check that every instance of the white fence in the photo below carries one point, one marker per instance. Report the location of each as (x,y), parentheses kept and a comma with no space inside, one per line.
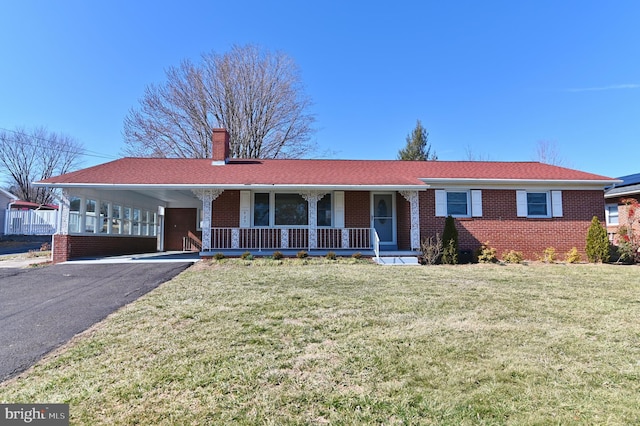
(30,222)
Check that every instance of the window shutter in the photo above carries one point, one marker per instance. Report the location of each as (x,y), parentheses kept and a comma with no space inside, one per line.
(556,203)
(338,209)
(476,203)
(441,203)
(521,203)
(245,209)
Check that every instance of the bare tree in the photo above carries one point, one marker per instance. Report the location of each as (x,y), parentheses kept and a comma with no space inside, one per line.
(255,94)
(547,152)
(470,155)
(32,155)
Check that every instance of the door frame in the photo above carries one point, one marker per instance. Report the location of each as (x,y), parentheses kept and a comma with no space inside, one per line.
(393,244)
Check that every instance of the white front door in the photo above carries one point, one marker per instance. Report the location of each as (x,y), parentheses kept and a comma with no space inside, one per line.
(383,217)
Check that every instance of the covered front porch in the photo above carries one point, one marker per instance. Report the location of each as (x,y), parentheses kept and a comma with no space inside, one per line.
(233,220)
(320,220)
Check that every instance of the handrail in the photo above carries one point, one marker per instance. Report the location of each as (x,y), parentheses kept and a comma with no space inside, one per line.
(190,241)
(376,243)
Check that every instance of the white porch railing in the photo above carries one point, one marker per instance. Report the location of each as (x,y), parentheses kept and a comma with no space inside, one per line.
(376,244)
(30,222)
(290,239)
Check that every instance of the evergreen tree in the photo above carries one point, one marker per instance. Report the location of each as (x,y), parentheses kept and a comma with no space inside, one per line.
(417,147)
(597,242)
(450,242)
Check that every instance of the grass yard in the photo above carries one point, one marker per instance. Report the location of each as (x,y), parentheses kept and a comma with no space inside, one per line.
(275,343)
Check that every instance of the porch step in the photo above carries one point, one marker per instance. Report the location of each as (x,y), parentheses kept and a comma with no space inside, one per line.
(397,261)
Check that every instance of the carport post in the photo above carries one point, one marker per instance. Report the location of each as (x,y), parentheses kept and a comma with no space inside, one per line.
(206,196)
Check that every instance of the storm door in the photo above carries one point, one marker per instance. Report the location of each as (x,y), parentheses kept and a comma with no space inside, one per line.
(383,208)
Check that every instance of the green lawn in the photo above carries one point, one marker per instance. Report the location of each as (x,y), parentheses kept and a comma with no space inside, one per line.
(269,343)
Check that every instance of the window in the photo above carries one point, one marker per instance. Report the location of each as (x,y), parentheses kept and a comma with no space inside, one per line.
(291,209)
(104,217)
(116,222)
(288,209)
(126,223)
(90,216)
(324,211)
(611,214)
(136,222)
(74,214)
(539,204)
(261,209)
(457,203)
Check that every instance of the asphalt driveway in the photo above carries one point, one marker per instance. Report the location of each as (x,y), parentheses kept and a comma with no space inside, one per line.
(42,308)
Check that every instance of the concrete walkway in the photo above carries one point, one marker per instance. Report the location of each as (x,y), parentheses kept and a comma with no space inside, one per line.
(43,308)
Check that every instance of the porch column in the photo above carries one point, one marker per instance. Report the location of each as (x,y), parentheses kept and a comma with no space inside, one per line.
(64,210)
(312,198)
(413,199)
(206,196)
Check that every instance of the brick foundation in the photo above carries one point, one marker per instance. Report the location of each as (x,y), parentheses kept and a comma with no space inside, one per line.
(67,247)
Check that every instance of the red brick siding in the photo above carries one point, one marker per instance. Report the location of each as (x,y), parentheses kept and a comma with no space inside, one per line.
(501,227)
(225,210)
(357,209)
(403,222)
(68,247)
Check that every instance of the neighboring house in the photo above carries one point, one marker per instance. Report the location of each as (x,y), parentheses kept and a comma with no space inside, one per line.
(27,218)
(616,212)
(146,204)
(6,198)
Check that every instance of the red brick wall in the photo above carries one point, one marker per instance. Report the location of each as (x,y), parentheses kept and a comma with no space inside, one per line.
(403,222)
(225,210)
(357,209)
(68,247)
(500,226)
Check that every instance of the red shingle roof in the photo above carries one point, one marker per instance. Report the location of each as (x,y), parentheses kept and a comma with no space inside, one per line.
(173,171)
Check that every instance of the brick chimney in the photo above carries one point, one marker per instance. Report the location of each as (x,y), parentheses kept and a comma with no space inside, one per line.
(220,147)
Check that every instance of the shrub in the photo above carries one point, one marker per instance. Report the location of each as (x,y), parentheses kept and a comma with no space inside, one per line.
(218,256)
(302,254)
(573,256)
(246,256)
(487,254)
(626,252)
(450,242)
(277,255)
(331,256)
(549,255)
(512,256)
(431,249)
(597,242)
(357,255)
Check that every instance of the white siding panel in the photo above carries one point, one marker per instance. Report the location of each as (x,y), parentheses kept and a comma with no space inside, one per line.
(556,203)
(476,203)
(245,209)
(521,203)
(441,203)
(338,209)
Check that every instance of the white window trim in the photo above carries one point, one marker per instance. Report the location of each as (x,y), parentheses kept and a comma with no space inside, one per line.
(474,202)
(607,214)
(553,199)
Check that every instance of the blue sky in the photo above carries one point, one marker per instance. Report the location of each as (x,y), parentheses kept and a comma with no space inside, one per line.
(492,77)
